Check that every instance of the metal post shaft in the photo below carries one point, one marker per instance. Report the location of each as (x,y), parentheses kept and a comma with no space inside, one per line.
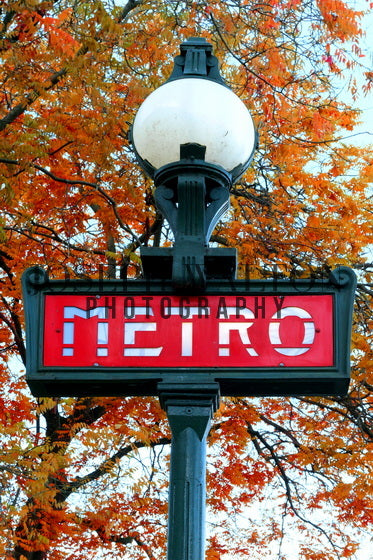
(189,415)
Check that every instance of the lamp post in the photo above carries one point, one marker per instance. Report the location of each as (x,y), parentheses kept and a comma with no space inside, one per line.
(194,137)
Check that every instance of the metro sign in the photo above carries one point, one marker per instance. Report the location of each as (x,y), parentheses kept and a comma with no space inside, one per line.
(253,338)
(188,331)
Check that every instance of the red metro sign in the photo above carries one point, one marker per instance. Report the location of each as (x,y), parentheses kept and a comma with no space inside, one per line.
(259,337)
(209,331)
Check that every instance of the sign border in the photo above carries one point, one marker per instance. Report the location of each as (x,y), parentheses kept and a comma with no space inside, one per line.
(142,381)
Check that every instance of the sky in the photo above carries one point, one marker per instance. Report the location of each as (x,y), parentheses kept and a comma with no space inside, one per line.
(363,135)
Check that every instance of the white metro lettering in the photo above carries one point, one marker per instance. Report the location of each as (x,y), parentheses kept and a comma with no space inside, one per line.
(189,327)
(130,330)
(309,331)
(226,327)
(68,337)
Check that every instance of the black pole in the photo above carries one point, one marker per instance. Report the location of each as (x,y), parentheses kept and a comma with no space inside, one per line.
(189,410)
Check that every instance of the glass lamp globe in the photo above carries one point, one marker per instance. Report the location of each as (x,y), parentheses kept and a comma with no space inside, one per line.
(194,110)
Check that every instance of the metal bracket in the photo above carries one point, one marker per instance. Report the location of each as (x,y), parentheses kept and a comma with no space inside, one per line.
(196,61)
(192,195)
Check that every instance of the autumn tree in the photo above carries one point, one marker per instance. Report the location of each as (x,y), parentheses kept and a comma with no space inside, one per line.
(83,477)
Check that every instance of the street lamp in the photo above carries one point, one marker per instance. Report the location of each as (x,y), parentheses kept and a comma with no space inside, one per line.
(194,137)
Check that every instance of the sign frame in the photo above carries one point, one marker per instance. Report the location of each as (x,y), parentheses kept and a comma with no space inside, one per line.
(47,381)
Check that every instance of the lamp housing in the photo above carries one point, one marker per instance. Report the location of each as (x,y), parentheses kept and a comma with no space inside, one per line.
(194,137)
(199,111)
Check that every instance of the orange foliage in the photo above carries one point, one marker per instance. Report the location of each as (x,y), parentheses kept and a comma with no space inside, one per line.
(81,477)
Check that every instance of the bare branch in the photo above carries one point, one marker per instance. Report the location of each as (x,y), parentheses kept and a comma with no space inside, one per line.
(65,489)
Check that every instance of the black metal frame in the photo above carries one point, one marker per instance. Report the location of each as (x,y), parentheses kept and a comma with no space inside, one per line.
(56,381)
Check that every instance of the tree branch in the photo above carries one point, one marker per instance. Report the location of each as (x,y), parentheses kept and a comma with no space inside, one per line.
(255,435)
(65,489)
(56,77)
(131,5)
